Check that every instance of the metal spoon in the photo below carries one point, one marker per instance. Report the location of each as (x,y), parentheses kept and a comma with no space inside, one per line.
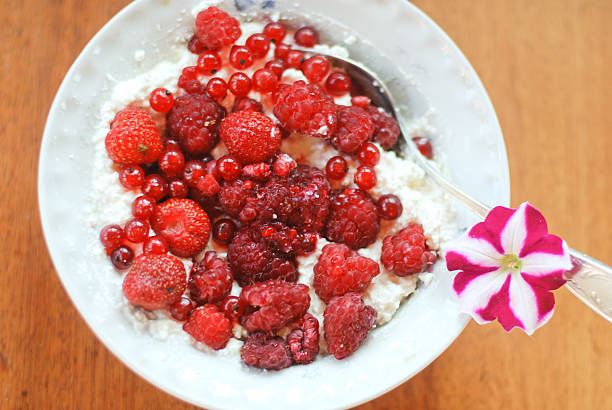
(589,280)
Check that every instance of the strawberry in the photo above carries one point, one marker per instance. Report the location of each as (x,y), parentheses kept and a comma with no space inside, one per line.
(183,224)
(133,138)
(250,136)
(155,281)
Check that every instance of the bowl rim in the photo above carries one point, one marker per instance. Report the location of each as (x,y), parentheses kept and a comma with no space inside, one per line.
(43,201)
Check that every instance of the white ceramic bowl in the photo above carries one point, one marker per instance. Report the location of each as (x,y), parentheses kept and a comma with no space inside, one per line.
(434,74)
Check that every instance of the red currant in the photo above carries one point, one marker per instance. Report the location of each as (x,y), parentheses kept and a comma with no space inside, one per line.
(122,257)
(277,66)
(161,100)
(143,207)
(111,236)
(294,59)
(172,163)
(194,170)
(172,145)
(136,230)
(306,37)
(155,186)
(281,51)
(211,168)
(155,244)
(338,83)
(195,45)
(209,62)
(259,44)
(336,167)
(131,176)
(216,87)
(275,31)
(315,68)
(365,177)
(181,309)
(223,230)
(389,206)
(240,57)
(424,146)
(265,80)
(245,103)
(228,167)
(239,84)
(368,154)
(178,188)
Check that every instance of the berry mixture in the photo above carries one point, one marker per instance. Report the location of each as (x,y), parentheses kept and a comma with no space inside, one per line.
(259,208)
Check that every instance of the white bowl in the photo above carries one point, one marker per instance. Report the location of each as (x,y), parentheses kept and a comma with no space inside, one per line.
(435,74)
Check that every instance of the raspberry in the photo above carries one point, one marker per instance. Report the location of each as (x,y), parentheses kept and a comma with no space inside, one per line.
(155,281)
(285,239)
(250,136)
(252,259)
(406,252)
(183,224)
(386,128)
(233,196)
(309,200)
(353,219)
(209,326)
(273,304)
(283,165)
(355,126)
(216,28)
(133,138)
(306,108)
(208,185)
(340,270)
(346,322)
(261,172)
(194,120)
(266,352)
(210,280)
(303,341)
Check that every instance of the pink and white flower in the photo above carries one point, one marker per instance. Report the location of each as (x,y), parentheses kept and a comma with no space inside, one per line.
(508,266)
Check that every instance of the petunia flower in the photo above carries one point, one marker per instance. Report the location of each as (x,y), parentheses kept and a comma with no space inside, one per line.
(508,266)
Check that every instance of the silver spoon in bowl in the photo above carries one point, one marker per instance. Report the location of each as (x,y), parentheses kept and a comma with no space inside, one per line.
(589,280)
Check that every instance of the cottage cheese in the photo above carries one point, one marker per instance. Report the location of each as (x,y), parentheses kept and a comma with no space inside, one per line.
(422,201)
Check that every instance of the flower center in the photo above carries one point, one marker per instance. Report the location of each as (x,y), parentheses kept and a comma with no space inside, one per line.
(511,263)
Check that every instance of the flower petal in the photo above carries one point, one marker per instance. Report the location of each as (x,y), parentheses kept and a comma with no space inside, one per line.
(478,293)
(533,306)
(476,250)
(493,224)
(514,234)
(499,308)
(469,271)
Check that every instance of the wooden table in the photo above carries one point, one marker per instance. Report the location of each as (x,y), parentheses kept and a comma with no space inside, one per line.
(546,65)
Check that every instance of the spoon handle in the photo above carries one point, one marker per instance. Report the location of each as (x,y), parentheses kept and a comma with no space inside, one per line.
(589,280)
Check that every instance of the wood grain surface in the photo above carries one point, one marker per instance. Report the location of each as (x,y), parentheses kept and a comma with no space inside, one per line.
(546,65)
